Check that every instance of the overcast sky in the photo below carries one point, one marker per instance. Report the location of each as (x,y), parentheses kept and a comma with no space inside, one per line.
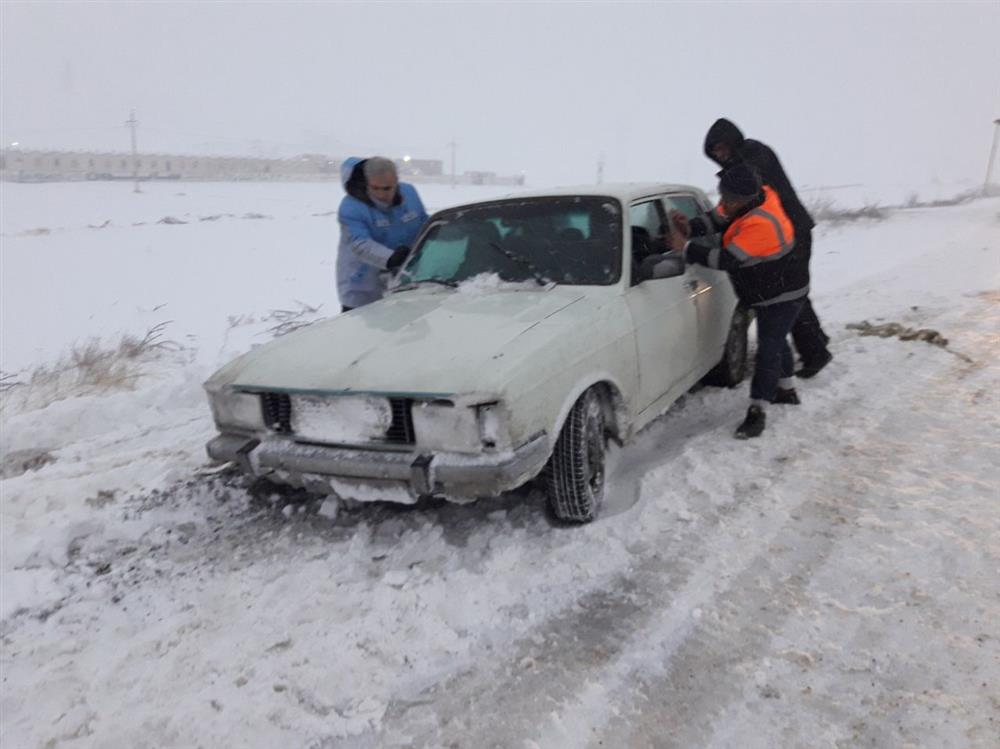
(845,92)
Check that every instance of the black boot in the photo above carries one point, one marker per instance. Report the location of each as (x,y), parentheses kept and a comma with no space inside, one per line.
(812,368)
(753,424)
(786,397)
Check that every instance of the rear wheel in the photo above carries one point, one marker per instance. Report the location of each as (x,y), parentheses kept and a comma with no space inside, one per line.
(732,368)
(576,469)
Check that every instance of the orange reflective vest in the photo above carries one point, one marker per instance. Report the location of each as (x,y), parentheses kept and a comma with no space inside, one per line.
(758,252)
(765,232)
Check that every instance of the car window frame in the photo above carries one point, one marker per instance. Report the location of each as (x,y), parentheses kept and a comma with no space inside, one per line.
(702,205)
(666,224)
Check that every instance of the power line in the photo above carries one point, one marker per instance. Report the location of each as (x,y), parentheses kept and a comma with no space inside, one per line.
(452,145)
(132,123)
(993,153)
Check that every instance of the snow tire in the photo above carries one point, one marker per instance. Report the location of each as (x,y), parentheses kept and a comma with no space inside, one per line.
(576,470)
(732,368)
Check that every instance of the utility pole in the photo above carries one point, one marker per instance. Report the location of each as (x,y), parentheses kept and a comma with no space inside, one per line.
(452,145)
(600,169)
(993,153)
(132,123)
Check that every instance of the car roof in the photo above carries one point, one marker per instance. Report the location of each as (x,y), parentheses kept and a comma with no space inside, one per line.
(624,191)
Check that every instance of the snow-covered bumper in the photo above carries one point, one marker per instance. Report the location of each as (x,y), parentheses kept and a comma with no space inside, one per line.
(382,474)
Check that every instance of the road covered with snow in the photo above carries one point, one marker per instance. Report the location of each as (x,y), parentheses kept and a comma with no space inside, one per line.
(835,583)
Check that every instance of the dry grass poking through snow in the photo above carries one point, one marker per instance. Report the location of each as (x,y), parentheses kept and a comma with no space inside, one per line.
(824,210)
(89,368)
(280,321)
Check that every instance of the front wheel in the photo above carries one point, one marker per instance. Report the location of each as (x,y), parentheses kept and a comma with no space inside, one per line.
(576,469)
(732,368)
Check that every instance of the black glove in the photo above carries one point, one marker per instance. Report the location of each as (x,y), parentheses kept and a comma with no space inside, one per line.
(698,227)
(398,257)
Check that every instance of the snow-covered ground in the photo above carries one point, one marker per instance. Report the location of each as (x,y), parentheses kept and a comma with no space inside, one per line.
(833,584)
(102,256)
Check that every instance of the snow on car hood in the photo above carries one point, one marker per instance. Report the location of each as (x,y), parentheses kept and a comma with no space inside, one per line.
(421,342)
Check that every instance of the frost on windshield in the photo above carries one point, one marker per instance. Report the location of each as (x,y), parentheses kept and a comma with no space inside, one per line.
(573,240)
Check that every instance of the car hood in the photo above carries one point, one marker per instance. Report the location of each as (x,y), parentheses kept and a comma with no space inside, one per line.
(423,342)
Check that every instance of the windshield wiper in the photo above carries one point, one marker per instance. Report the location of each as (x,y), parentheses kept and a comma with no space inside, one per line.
(535,273)
(416,284)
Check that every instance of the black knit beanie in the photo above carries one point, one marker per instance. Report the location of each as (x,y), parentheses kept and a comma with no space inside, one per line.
(740,181)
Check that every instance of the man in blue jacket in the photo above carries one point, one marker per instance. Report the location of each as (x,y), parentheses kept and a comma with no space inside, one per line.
(380,217)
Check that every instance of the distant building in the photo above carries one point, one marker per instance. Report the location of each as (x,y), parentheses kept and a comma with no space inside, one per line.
(21,165)
(419,167)
(64,166)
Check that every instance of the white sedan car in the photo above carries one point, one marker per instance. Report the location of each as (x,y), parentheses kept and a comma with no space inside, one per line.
(518,338)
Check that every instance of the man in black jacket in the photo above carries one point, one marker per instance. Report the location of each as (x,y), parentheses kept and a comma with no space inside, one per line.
(726,146)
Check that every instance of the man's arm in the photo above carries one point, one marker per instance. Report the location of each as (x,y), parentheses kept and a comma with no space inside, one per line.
(733,254)
(765,161)
(354,220)
(691,238)
(716,224)
(763,158)
(703,251)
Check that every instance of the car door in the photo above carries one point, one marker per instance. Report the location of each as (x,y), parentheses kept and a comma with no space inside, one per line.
(663,313)
(711,289)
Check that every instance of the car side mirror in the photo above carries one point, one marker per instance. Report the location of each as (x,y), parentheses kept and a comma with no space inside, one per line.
(667,265)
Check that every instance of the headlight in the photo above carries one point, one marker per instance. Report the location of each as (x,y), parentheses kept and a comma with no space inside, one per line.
(239,410)
(445,425)
(460,426)
(492,426)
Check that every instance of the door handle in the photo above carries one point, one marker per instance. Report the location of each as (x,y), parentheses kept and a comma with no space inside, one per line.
(692,284)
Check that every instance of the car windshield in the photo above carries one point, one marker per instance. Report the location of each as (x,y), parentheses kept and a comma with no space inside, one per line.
(572,240)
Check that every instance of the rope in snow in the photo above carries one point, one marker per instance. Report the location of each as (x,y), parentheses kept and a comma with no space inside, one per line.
(903,333)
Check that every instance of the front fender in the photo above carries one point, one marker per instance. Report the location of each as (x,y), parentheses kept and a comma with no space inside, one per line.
(543,403)
(617,407)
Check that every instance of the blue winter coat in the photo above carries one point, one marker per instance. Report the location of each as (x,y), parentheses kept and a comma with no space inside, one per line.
(369,233)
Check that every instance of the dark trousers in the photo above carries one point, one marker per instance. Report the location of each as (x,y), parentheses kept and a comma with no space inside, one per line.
(774,356)
(807,334)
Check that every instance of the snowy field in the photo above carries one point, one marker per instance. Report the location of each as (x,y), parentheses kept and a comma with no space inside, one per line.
(110,264)
(833,584)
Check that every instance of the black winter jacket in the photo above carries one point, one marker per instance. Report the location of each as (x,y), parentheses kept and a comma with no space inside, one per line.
(764,159)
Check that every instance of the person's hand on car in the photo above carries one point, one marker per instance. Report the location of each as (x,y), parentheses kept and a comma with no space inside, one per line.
(397,258)
(680,231)
(681,223)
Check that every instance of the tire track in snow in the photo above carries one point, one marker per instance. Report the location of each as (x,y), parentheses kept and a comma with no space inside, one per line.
(592,639)
(620,654)
(702,700)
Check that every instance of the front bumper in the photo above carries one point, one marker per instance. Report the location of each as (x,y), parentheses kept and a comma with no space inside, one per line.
(379,474)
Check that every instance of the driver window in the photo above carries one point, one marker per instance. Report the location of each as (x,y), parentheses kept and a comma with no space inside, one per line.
(649,216)
(688,205)
(649,227)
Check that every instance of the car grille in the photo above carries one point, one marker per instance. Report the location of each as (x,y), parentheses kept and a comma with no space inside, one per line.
(277,411)
(401,430)
(277,408)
